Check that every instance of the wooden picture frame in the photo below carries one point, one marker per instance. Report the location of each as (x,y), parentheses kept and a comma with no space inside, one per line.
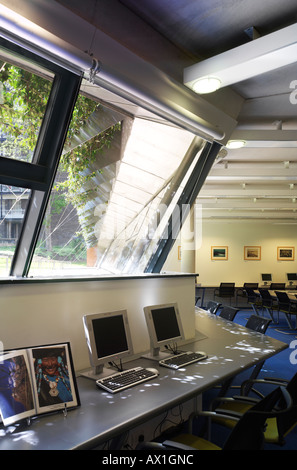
(252,253)
(285,253)
(219,253)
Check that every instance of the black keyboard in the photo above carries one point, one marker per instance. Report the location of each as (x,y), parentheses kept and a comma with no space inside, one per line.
(177,361)
(126,379)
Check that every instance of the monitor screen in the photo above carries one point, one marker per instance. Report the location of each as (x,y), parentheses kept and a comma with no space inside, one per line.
(108,339)
(292,276)
(266,277)
(164,326)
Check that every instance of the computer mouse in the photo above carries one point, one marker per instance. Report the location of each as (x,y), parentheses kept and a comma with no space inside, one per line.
(154,371)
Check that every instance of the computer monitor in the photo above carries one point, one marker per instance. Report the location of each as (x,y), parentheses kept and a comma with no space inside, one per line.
(291,277)
(108,339)
(266,278)
(164,327)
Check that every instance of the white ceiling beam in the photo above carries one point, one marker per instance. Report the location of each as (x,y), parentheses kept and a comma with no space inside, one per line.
(249,191)
(269,137)
(237,204)
(238,220)
(251,178)
(254,58)
(272,154)
(247,172)
(242,211)
(248,211)
(255,166)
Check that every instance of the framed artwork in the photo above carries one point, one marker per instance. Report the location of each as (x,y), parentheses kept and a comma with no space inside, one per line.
(219,252)
(285,253)
(252,253)
(36,380)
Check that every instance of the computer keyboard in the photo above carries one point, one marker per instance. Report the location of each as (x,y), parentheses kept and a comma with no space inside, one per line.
(126,379)
(177,361)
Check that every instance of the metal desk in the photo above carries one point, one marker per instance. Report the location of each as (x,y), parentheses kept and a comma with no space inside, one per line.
(231,349)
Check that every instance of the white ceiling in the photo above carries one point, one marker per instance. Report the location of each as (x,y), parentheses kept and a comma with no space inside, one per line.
(258,182)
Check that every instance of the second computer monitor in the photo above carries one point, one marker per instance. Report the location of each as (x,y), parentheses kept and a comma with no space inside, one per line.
(291,277)
(266,278)
(164,326)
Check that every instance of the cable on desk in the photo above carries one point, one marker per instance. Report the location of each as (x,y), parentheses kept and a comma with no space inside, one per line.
(173,349)
(119,368)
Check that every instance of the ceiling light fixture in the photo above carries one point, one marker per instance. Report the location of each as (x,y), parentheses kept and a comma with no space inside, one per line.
(206,85)
(236,144)
(261,55)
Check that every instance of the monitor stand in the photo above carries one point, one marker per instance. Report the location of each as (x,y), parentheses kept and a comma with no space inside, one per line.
(156,355)
(98,372)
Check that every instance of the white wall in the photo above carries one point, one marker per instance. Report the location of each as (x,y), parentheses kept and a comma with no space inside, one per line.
(236,236)
(33,314)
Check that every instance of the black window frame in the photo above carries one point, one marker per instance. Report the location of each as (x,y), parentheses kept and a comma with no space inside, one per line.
(39,175)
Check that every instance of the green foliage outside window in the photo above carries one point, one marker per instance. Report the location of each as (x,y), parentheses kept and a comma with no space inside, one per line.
(25,97)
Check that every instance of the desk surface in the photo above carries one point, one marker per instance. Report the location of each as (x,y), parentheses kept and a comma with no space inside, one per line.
(231,348)
(291,294)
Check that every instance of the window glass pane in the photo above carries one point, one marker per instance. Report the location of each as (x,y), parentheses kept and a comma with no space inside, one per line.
(13,203)
(117,178)
(24,93)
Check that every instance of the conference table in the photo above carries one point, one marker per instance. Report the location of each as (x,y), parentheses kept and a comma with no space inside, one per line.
(103,417)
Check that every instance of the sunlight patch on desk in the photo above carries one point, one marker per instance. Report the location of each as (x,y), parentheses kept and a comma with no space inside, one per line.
(247,347)
(216,360)
(29,437)
(237,331)
(191,378)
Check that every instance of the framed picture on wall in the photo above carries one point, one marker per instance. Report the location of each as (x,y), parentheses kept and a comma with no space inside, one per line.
(219,252)
(285,253)
(252,253)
